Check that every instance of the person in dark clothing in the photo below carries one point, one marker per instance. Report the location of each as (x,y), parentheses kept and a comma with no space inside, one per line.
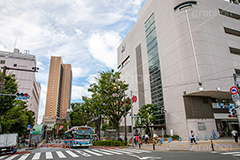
(193,138)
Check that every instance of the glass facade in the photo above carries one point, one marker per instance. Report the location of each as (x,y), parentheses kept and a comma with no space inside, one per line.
(154,69)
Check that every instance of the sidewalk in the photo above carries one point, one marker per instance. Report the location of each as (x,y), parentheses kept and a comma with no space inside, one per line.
(201,146)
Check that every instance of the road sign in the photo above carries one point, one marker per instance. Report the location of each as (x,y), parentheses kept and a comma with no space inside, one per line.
(31,127)
(234,90)
(31,131)
(134,99)
(28,126)
(235,97)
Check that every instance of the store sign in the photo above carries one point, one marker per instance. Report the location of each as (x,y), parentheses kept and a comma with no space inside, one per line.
(201,126)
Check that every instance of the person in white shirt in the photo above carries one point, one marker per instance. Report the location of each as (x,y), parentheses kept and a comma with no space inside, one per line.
(146,138)
(235,135)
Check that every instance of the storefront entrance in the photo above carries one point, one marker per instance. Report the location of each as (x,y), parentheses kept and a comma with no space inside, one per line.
(225,126)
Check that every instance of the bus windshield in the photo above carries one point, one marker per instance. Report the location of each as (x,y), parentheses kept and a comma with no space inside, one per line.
(83,134)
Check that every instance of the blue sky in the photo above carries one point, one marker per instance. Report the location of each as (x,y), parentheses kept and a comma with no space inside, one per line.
(86,33)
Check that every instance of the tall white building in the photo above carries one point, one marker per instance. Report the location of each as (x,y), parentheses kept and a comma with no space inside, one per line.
(180,56)
(26,80)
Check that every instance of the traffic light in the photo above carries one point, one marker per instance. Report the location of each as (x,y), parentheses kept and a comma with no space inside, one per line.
(22,96)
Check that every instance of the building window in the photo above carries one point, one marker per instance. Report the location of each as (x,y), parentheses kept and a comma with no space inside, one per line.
(229,14)
(2,62)
(234,50)
(232,31)
(14,65)
(154,69)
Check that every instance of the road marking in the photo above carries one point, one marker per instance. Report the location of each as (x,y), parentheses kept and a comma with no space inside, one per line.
(36,156)
(110,151)
(122,151)
(237,155)
(101,152)
(145,158)
(60,154)
(24,157)
(72,154)
(49,155)
(3,157)
(231,153)
(9,158)
(137,150)
(83,153)
(97,154)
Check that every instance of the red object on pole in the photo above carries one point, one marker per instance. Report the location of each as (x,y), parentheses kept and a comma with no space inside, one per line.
(57,128)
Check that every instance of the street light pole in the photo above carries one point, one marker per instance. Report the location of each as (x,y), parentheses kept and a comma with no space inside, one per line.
(125,122)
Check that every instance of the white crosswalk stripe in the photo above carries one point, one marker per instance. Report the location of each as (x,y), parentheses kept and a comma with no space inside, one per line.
(49,155)
(60,154)
(97,154)
(106,153)
(236,155)
(72,154)
(110,151)
(3,157)
(23,157)
(122,151)
(36,156)
(83,153)
(137,150)
(9,158)
(230,153)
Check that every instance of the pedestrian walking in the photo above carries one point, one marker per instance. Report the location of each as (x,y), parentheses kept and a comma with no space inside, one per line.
(193,137)
(235,135)
(137,140)
(146,138)
(214,134)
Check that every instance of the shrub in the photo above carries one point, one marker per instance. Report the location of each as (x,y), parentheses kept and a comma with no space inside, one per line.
(175,137)
(167,135)
(108,143)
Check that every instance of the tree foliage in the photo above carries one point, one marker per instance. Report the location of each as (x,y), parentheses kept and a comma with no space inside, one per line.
(14,114)
(146,113)
(106,101)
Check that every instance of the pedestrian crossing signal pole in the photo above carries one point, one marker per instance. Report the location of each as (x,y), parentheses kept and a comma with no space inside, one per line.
(132,119)
(153,144)
(212,145)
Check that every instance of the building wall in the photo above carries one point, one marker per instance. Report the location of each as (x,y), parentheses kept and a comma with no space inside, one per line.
(26,80)
(59,90)
(178,66)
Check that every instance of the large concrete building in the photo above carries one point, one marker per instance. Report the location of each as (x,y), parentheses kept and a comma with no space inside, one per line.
(58,93)
(180,56)
(26,80)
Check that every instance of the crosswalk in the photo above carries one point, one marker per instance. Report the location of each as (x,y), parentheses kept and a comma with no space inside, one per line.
(74,153)
(235,154)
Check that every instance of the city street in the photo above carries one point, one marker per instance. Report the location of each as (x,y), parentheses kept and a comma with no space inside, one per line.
(119,154)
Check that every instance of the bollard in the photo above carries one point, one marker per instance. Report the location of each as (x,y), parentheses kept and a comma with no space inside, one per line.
(190,146)
(212,145)
(153,145)
(139,143)
(197,139)
(168,145)
(205,138)
(180,139)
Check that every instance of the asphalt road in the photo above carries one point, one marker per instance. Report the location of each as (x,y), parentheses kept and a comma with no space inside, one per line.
(119,154)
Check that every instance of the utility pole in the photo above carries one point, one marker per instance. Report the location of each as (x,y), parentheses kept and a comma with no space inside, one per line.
(236,83)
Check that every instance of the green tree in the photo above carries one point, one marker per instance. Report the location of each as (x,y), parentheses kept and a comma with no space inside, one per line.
(146,113)
(109,92)
(14,114)
(80,114)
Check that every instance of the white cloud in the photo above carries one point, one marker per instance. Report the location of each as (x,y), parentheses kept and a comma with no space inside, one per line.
(103,47)
(83,32)
(79,91)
